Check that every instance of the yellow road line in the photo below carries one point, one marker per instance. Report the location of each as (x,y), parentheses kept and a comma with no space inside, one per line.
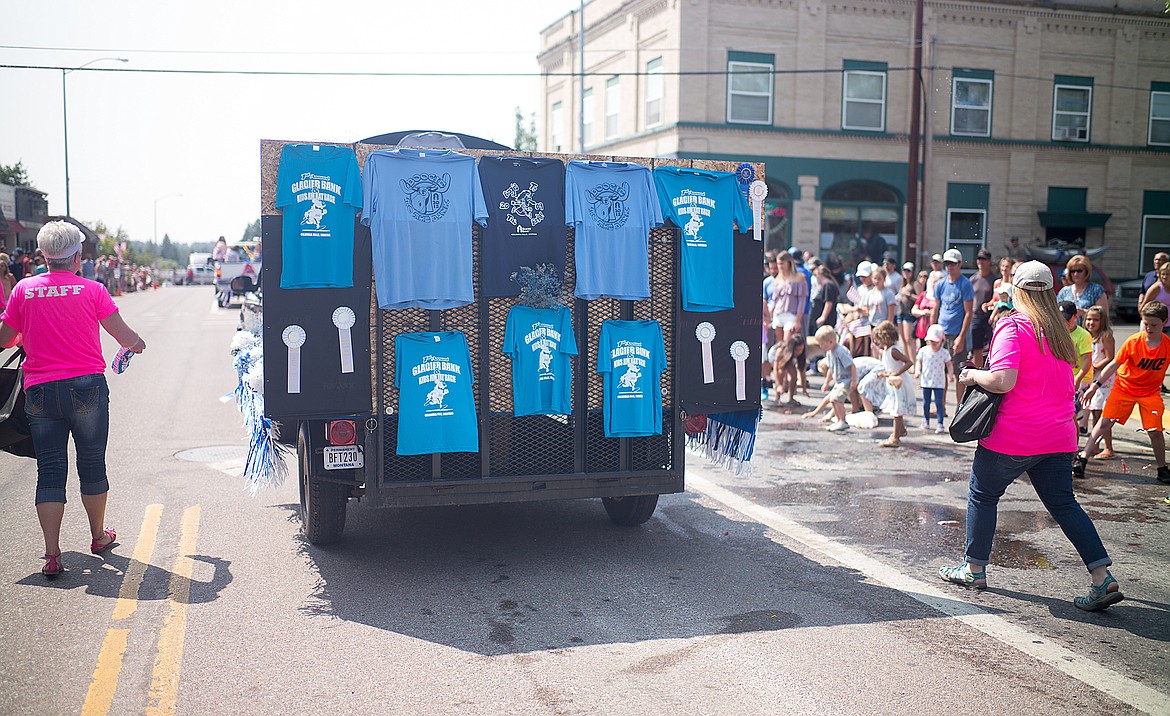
(164,681)
(100,696)
(140,560)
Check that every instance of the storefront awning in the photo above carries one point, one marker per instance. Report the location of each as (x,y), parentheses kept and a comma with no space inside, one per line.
(15,227)
(1077,219)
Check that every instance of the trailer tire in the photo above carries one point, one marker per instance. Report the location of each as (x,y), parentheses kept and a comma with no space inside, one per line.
(322,503)
(630,511)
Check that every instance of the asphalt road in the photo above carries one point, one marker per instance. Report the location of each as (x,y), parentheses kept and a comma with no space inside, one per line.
(805,587)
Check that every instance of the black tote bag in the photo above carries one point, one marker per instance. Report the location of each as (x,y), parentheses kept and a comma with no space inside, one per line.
(14,433)
(976,414)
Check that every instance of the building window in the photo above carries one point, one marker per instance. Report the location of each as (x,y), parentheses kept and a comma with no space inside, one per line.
(750,82)
(1160,115)
(971,106)
(613,107)
(556,131)
(966,229)
(863,105)
(587,117)
(654,92)
(1072,104)
(1155,238)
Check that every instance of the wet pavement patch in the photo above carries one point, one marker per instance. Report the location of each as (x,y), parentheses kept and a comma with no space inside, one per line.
(762,620)
(213,453)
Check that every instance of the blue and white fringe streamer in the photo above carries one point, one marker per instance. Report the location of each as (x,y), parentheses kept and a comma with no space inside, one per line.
(264,466)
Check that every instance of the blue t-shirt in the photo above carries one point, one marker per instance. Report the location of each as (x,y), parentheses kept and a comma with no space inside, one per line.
(612,206)
(539,341)
(631,357)
(419,205)
(318,188)
(950,295)
(436,404)
(704,205)
(526,222)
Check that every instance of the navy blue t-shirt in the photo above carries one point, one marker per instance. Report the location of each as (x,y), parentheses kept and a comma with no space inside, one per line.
(526,219)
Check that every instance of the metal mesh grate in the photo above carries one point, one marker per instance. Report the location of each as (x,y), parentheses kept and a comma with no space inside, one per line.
(540,444)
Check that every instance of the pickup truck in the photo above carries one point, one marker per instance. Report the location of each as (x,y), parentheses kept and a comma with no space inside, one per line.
(239,262)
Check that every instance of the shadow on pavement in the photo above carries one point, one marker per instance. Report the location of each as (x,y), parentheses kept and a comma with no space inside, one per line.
(1136,616)
(101,575)
(516,578)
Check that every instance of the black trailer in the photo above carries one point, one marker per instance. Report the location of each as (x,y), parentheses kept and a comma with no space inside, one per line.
(345,425)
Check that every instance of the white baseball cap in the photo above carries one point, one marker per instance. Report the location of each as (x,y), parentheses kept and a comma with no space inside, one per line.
(908,266)
(952,255)
(935,333)
(1032,276)
(936,257)
(864,268)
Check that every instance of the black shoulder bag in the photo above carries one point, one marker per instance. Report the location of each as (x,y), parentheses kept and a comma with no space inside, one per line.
(976,414)
(14,431)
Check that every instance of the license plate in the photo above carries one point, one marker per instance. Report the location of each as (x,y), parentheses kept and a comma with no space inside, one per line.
(344,458)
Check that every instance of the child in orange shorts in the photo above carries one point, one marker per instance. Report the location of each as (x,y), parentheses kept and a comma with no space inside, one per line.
(1140,365)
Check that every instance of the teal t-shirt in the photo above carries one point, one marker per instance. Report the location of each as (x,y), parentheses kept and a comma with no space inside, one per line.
(436,404)
(631,357)
(319,189)
(539,341)
(705,205)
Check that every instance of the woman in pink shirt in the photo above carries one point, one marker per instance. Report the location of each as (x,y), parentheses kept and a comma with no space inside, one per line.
(56,316)
(1031,364)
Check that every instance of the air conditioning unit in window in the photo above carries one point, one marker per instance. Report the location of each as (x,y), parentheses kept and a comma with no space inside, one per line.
(1062,134)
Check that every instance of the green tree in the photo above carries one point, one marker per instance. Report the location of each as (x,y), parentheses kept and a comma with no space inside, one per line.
(525,136)
(168,250)
(14,174)
(251,231)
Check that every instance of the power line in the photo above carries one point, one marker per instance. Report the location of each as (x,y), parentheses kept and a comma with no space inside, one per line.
(508,75)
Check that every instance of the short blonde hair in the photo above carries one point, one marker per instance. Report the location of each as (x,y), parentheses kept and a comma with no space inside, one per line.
(57,237)
(824,333)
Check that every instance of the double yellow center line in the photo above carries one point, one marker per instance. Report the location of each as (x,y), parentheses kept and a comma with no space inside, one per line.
(164,682)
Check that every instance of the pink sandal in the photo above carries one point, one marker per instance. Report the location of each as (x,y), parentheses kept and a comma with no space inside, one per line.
(53,565)
(97,547)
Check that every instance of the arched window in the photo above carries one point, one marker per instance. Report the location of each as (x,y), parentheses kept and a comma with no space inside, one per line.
(860,220)
(777,216)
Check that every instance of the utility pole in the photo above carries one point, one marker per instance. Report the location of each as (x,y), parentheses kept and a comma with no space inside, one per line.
(581,67)
(910,246)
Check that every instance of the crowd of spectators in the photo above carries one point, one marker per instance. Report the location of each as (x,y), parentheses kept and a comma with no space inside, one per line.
(891,338)
(118,276)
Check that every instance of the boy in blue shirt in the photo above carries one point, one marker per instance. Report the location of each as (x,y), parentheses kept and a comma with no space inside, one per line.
(954,307)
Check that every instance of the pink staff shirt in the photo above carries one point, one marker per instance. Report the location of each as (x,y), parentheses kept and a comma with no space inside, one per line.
(1036,416)
(58,316)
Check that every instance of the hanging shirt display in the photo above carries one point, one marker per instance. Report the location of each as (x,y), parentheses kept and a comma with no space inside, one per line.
(318,188)
(631,357)
(436,405)
(539,341)
(612,206)
(526,220)
(419,205)
(704,205)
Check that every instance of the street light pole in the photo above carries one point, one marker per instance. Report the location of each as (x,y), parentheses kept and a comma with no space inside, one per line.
(156,201)
(65,118)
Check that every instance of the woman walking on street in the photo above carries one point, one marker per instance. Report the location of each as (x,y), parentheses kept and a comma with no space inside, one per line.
(1031,365)
(57,315)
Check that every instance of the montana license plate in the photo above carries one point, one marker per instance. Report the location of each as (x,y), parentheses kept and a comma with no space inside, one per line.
(344,458)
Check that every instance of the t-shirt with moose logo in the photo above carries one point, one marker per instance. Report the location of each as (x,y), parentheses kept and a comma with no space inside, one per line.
(612,206)
(419,205)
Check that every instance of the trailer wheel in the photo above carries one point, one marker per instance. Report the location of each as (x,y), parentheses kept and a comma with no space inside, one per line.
(322,503)
(630,511)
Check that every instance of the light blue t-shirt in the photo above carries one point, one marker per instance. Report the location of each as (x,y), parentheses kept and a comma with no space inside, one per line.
(631,357)
(319,190)
(436,404)
(950,295)
(539,341)
(419,205)
(612,206)
(704,205)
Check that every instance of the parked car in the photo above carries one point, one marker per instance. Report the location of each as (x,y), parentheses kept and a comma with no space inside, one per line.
(1125,298)
(200,275)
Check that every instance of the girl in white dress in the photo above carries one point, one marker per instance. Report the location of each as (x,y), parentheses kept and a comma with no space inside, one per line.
(1097,324)
(900,401)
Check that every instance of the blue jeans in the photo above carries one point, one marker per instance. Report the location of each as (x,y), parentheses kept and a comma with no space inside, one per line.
(1051,475)
(940,402)
(78,406)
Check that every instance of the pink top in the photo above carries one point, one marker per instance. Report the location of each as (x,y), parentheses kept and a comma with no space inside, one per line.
(1036,416)
(58,315)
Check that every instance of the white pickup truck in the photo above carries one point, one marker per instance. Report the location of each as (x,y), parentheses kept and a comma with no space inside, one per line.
(239,262)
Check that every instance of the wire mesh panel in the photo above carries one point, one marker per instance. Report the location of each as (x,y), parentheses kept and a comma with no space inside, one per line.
(390,324)
(602,454)
(654,452)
